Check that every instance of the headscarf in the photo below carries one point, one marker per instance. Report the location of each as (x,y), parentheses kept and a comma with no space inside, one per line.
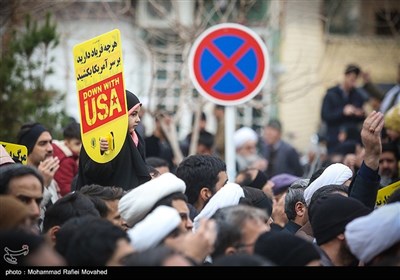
(132,104)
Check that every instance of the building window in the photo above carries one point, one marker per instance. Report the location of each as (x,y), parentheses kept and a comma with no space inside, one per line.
(387,23)
(342,16)
(366,17)
(245,12)
(257,12)
(159,8)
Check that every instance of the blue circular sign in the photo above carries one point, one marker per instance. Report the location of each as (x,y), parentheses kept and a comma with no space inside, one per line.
(228,64)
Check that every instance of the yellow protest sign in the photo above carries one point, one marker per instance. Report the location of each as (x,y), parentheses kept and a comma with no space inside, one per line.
(101,94)
(384,193)
(19,153)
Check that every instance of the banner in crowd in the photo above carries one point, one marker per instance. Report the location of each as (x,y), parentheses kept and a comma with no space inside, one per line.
(384,193)
(101,94)
(18,153)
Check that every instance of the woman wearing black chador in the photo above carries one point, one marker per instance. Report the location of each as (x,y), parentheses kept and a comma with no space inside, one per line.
(128,169)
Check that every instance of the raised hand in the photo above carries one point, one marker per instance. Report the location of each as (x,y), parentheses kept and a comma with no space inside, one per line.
(371,138)
(48,168)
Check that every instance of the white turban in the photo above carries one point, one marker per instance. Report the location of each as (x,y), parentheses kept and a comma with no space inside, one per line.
(370,235)
(244,134)
(154,228)
(336,174)
(229,195)
(138,202)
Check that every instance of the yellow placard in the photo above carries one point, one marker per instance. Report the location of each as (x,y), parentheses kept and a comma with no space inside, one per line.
(19,153)
(101,94)
(384,193)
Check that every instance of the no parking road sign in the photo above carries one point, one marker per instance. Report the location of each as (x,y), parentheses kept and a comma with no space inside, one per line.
(228,64)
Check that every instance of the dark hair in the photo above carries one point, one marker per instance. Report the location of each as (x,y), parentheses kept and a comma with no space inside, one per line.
(390,147)
(285,249)
(256,198)
(156,162)
(230,222)
(274,123)
(198,171)
(247,177)
(346,147)
(161,113)
(167,200)
(99,194)
(389,260)
(242,259)
(94,244)
(206,139)
(228,235)
(352,68)
(11,171)
(67,231)
(72,205)
(153,171)
(203,117)
(352,133)
(316,174)
(151,257)
(257,182)
(72,131)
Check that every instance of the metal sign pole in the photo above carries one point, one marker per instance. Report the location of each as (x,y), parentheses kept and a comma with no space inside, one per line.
(230,152)
(229,64)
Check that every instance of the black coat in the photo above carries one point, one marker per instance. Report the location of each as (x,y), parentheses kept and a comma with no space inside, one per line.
(127,170)
(332,113)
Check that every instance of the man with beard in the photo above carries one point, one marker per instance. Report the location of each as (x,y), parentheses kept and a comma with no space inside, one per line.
(245,140)
(389,164)
(24,183)
(204,175)
(38,141)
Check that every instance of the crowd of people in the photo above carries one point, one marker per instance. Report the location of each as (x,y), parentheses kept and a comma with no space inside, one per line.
(144,208)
